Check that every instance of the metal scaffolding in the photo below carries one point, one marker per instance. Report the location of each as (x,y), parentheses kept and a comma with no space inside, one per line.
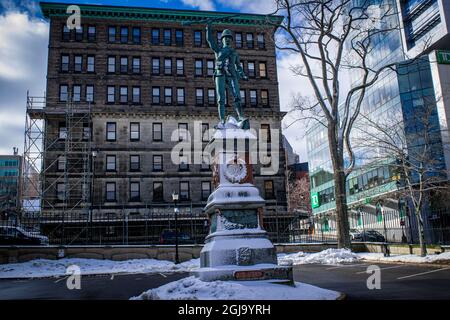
(57,160)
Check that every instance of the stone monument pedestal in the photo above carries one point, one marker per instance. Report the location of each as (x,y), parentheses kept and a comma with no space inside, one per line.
(237,247)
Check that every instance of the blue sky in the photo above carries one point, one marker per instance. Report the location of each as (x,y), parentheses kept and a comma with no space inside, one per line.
(23,58)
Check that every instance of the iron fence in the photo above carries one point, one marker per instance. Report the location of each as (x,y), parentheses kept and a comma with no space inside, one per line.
(147,228)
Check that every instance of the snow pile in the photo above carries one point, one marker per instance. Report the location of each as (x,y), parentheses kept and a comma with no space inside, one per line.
(192,288)
(42,268)
(409,258)
(329,256)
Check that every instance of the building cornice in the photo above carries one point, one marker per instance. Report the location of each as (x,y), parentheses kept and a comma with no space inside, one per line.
(50,9)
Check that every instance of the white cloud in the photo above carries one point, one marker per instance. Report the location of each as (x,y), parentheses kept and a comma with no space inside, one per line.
(23,66)
(200,4)
(260,6)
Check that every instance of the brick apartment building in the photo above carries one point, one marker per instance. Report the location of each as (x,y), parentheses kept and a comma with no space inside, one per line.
(117,88)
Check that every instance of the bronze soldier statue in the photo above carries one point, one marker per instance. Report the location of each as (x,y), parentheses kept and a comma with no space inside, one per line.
(228,71)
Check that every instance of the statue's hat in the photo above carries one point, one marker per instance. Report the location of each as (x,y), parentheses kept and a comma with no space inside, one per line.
(226,33)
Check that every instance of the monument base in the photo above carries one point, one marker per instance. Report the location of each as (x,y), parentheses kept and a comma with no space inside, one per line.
(269,272)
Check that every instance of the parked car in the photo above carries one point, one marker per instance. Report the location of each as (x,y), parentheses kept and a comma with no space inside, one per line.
(369,236)
(354,233)
(168,237)
(10,235)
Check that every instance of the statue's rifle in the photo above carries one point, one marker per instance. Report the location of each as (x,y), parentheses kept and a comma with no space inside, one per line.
(210,20)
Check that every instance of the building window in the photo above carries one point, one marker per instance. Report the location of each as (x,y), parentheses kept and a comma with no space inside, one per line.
(211,96)
(92,33)
(123,64)
(184,165)
(135,191)
(167,66)
(262,70)
(62,131)
(158,191)
(136,95)
(112,34)
(199,96)
(136,65)
(155,66)
(198,67)
(180,67)
(250,40)
(76,93)
(123,94)
(243,98)
(206,190)
(167,95)
(238,36)
(60,191)
(135,163)
(197,38)
(265,133)
(66,33)
(91,64)
(111,64)
(135,129)
(179,38)
(180,96)
(136,35)
(156,95)
(124,34)
(86,132)
(78,67)
(61,163)
(79,33)
(111,94)
(157,163)
(205,132)
(251,69)
(184,190)
(110,191)
(63,92)
(65,62)
(268,189)
(183,132)
(264,98)
(110,163)
(111,131)
(89,93)
(157,132)
(260,40)
(253,98)
(155,36)
(167,37)
(210,67)
(219,40)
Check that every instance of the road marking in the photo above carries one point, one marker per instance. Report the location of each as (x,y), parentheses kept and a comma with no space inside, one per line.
(63,278)
(422,273)
(163,275)
(394,267)
(348,266)
(112,277)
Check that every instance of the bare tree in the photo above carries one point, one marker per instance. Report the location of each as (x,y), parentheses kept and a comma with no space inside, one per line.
(332,36)
(413,149)
(299,191)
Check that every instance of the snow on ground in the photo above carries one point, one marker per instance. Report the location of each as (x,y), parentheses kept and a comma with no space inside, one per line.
(192,288)
(409,258)
(42,268)
(329,256)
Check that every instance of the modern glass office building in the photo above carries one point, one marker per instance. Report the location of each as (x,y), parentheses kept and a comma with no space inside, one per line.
(10,175)
(412,89)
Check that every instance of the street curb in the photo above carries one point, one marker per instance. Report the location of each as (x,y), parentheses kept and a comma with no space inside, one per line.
(445,263)
(342,296)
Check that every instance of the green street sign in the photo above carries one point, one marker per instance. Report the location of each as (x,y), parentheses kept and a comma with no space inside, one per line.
(315,203)
(443,57)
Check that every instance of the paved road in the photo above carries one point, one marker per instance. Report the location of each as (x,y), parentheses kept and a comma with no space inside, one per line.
(397,282)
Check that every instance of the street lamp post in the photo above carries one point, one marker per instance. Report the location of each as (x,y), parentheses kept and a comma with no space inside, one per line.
(91,196)
(175,200)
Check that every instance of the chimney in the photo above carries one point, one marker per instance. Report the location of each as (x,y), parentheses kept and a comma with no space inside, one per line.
(16,151)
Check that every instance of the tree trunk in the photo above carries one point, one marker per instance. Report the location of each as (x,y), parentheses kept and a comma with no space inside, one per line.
(423,247)
(342,223)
